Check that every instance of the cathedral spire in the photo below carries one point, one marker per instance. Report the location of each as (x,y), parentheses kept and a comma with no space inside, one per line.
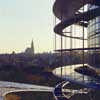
(32,46)
(30,50)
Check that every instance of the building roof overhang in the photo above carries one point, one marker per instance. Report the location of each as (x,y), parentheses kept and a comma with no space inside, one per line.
(65,9)
(86,16)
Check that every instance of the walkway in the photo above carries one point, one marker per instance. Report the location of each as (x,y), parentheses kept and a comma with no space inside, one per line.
(8,87)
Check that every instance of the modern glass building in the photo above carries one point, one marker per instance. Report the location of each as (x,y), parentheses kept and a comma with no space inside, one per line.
(74,12)
(94,40)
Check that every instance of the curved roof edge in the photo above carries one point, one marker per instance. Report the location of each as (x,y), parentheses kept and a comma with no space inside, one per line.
(65,9)
(86,16)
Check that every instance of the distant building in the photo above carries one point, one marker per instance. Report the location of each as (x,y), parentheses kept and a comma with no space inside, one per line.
(30,51)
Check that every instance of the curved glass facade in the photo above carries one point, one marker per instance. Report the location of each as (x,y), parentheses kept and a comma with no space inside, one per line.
(94,41)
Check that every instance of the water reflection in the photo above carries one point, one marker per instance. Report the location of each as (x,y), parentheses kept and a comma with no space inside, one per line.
(69,73)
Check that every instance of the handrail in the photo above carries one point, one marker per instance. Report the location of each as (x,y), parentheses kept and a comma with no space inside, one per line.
(93,48)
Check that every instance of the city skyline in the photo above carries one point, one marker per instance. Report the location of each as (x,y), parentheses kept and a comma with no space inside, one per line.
(22,20)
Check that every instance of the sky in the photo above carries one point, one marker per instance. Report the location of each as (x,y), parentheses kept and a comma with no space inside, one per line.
(24,20)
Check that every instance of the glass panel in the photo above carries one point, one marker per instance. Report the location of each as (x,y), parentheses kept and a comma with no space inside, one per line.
(94,41)
(97,19)
(97,25)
